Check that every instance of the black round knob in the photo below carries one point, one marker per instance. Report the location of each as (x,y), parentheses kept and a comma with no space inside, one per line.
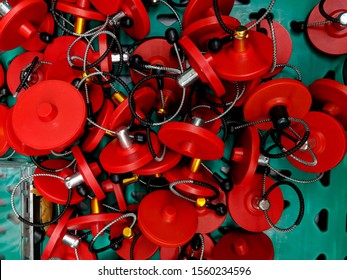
(127,22)
(82,190)
(171,35)
(46,37)
(215,45)
(221,209)
(116,244)
(115,178)
(136,59)
(298,26)
(195,243)
(39,235)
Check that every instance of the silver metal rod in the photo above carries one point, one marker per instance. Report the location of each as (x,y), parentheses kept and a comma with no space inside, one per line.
(188,78)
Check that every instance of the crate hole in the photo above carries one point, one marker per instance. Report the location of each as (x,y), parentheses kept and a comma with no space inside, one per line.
(2,175)
(321,220)
(12,217)
(2,230)
(167,19)
(2,257)
(2,202)
(321,257)
(243,2)
(345,258)
(286,204)
(325,180)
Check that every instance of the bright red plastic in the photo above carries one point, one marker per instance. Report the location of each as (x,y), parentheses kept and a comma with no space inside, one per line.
(4,145)
(331,96)
(243,208)
(245,155)
(192,141)
(327,140)
(108,186)
(115,159)
(21,23)
(243,245)
(203,65)
(81,9)
(329,38)
(107,7)
(89,172)
(290,93)
(166,219)
(54,189)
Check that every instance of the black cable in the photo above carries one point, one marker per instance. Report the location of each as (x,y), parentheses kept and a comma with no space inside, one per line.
(271,131)
(131,100)
(56,219)
(325,14)
(39,165)
(220,20)
(297,191)
(207,186)
(133,244)
(28,72)
(149,142)
(344,72)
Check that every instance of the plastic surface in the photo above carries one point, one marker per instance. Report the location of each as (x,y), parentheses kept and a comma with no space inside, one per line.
(327,140)
(330,38)
(85,11)
(243,204)
(167,220)
(107,7)
(292,94)
(21,23)
(249,64)
(4,146)
(191,140)
(242,245)
(42,116)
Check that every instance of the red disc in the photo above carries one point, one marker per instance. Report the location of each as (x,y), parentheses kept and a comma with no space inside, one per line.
(108,186)
(49,116)
(283,44)
(62,71)
(76,10)
(2,76)
(192,141)
(17,65)
(143,250)
(166,219)
(170,160)
(208,249)
(243,204)
(56,234)
(208,220)
(201,31)
(144,99)
(96,134)
(184,173)
(15,143)
(35,43)
(290,93)
(155,52)
(87,172)
(54,189)
(58,50)
(250,64)
(127,160)
(327,140)
(64,252)
(137,11)
(197,9)
(243,245)
(107,7)
(21,23)
(88,222)
(4,145)
(169,253)
(329,38)
(331,96)
(245,155)
(203,65)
